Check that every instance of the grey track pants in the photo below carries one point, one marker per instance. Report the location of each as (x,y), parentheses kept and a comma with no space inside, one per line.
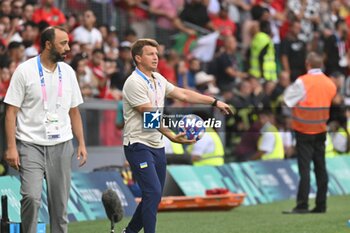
(54,164)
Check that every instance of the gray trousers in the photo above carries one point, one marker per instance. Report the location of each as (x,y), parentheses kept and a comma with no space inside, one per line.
(54,164)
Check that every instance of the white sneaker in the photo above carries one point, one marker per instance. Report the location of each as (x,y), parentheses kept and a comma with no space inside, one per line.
(124,230)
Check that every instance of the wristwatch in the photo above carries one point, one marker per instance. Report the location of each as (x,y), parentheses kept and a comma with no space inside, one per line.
(215,102)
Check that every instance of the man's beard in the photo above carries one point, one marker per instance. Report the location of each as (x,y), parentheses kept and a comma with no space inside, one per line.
(56,56)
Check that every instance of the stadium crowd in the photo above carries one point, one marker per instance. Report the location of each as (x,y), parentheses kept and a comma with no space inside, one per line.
(259,50)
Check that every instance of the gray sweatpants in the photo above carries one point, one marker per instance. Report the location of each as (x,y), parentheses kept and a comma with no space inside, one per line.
(54,164)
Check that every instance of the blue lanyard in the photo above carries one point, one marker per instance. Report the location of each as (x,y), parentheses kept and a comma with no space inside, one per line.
(139,72)
(43,86)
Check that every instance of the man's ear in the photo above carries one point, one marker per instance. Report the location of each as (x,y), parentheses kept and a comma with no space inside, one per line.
(138,58)
(48,44)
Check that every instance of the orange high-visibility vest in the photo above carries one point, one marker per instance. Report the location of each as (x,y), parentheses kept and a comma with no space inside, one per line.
(310,115)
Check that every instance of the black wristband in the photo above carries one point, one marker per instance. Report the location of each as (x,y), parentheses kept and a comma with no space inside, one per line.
(215,102)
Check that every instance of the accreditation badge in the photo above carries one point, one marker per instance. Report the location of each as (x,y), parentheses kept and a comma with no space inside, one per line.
(52,127)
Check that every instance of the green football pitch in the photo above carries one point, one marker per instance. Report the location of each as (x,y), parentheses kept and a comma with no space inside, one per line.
(265,218)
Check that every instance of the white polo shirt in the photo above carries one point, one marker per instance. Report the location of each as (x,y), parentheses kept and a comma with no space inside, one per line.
(25,92)
(136,91)
(84,36)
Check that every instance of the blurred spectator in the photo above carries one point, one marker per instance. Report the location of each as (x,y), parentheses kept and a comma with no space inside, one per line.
(17,8)
(16,27)
(130,35)
(29,33)
(266,98)
(86,48)
(222,22)
(3,41)
(338,109)
(167,66)
(72,22)
(104,28)
(9,28)
(285,129)
(244,103)
(49,13)
(249,21)
(248,143)
(205,83)
(88,85)
(111,92)
(74,50)
(276,19)
(96,64)
(5,8)
(3,56)
(167,19)
(260,13)
(28,11)
(42,25)
(239,10)
(207,151)
(257,87)
(226,66)
(111,43)
(182,75)
(124,64)
(293,52)
(340,137)
(193,68)
(16,52)
(262,54)
(195,12)
(277,94)
(138,18)
(308,12)
(330,14)
(87,34)
(335,50)
(5,77)
(270,144)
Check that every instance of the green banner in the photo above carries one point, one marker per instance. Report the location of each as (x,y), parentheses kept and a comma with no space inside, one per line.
(261,181)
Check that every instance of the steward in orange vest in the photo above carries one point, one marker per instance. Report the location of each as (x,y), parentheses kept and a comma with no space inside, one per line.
(310,115)
(311,96)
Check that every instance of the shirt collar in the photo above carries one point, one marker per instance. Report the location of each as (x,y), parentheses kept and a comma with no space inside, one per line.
(315,71)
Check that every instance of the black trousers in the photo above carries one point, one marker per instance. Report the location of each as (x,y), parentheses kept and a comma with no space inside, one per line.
(311,147)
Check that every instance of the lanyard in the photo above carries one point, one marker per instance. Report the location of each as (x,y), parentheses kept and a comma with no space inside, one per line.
(43,86)
(153,89)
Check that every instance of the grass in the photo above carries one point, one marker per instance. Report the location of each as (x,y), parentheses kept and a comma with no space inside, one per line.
(265,218)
